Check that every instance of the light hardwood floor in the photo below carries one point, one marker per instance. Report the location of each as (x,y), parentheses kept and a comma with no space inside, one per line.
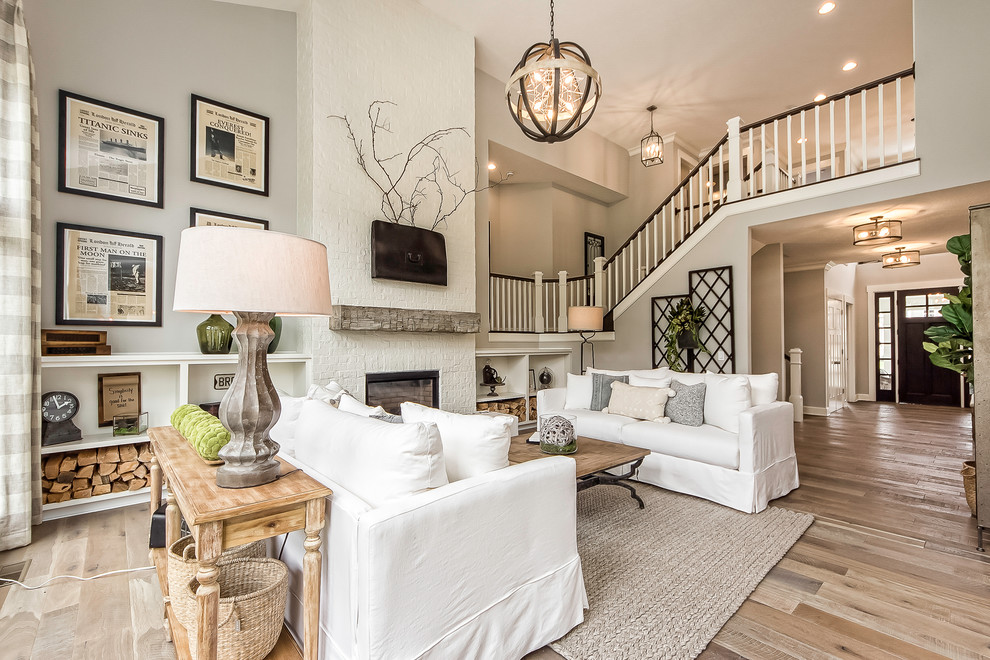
(889,568)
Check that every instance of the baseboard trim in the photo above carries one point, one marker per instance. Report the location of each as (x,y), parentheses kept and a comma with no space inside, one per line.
(816,411)
(864,397)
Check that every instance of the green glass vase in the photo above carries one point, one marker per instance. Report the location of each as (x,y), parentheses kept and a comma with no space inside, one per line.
(276,326)
(214,335)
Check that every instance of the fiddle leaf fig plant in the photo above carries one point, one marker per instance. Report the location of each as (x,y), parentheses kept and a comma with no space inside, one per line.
(951,345)
(687,319)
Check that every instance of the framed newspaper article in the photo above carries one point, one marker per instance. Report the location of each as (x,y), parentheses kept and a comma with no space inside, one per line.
(107,277)
(229,147)
(204,218)
(108,151)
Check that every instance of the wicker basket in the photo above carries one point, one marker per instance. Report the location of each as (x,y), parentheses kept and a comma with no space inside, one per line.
(969,484)
(252,607)
(183,565)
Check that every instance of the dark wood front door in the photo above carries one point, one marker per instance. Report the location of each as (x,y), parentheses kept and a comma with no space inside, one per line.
(919,380)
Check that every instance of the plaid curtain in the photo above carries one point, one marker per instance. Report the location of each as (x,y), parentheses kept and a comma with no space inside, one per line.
(20,285)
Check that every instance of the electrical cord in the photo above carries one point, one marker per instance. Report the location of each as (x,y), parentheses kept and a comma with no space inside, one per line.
(76,577)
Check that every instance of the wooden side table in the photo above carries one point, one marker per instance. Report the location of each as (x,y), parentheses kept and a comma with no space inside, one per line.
(222,518)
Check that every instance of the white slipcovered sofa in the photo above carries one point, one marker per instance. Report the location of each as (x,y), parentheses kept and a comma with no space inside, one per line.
(484,566)
(744,467)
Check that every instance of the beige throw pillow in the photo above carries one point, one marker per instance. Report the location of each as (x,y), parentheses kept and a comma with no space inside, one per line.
(639,402)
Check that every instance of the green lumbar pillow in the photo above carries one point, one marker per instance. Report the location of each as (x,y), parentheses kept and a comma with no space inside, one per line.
(203,431)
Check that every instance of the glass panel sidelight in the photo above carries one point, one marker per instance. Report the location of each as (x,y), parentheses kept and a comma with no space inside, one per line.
(885,344)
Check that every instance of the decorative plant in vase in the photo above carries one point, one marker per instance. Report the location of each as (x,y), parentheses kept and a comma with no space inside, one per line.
(684,323)
(951,345)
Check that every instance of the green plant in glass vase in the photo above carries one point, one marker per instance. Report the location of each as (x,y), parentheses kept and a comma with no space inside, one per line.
(684,323)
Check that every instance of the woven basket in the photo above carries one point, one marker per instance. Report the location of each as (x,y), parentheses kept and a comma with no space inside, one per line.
(183,565)
(252,607)
(969,484)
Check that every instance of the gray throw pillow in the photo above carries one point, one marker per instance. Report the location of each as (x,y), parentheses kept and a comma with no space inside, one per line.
(388,417)
(601,389)
(688,405)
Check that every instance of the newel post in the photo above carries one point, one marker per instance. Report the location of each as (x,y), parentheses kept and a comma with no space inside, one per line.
(538,324)
(599,300)
(733,190)
(562,307)
(796,399)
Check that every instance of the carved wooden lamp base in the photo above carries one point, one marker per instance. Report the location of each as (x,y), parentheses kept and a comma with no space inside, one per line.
(250,408)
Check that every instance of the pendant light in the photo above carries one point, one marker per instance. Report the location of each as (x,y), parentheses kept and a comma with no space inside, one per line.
(651,147)
(877,232)
(901,258)
(554,90)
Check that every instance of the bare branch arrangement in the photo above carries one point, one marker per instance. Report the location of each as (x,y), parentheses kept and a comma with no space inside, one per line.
(412,186)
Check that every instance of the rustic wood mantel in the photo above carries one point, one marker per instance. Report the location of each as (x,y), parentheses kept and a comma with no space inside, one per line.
(392,319)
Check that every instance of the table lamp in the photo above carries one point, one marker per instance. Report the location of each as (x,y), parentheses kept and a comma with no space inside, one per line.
(585,319)
(253,274)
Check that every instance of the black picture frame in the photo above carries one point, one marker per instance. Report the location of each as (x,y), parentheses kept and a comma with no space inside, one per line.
(594,246)
(123,135)
(139,266)
(197,219)
(211,144)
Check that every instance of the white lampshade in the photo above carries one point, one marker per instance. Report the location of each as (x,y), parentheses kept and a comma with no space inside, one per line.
(235,269)
(585,318)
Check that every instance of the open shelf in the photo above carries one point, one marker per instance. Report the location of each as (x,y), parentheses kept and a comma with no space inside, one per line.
(94,441)
(78,507)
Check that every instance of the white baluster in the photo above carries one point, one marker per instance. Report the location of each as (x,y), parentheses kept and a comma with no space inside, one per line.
(502,321)
(804,154)
(790,175)
(818,146)
(721,176)
(530,321)
(883,155)
(599,282)
(711,186)
(796,399)
(900,144)
(752,165)
(776,163)
(831,140)
(562,297)
(538,324)
(848,167)
(866,160)
(734,184)
(763,157)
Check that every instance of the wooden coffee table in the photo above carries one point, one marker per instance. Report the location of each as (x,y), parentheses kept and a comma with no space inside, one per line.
(593,457)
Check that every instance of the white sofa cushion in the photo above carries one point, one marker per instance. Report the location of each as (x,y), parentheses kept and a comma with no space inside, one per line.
(599,425)
(607,372)
(375,460)
(284,431)
(705,444)
(579,390)
(639,402)
(329,393)
(649,381)
(349,404)
(764,387)
(687,377)
(472,444)
(725,398)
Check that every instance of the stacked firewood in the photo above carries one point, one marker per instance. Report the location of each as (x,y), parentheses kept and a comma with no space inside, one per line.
(92,472)
(515,407)
(532,407)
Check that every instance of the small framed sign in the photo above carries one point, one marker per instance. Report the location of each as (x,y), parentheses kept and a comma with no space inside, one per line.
(204,218)
(108,151)
(119,394)
(222,381)
(229,147)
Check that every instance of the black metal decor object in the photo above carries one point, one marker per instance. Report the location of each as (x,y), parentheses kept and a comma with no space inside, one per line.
(662,308)
(712,287)
(407,254)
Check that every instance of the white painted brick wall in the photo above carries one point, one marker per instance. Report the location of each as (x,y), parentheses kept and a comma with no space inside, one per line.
(353,52)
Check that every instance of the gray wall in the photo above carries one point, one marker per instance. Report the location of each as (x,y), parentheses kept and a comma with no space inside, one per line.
(804,328)
(150,55)
(767,303)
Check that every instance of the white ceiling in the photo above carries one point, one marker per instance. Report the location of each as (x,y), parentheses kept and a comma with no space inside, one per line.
(701,62)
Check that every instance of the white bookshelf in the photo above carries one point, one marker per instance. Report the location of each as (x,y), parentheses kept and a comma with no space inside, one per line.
(514,365)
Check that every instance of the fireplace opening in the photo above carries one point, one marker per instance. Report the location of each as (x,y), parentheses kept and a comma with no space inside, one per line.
(389,390)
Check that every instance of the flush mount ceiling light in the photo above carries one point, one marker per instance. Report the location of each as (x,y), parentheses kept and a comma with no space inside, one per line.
(849,66)
(651,147)
(877,232)
(901,258)
(826,8)
(553,91)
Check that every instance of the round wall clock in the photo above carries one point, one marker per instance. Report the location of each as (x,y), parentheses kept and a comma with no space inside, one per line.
(57,411)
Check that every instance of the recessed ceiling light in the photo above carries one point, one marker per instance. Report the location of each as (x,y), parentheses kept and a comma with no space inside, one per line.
(820,97)
(826,7)
(492,166)
(802,140)
(849,66)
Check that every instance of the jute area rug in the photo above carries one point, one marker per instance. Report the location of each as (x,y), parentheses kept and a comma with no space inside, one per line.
(663,580)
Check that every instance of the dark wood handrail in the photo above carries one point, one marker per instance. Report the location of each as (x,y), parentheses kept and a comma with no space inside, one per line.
(513,277)
(834,97)
(669,197)
(580,277)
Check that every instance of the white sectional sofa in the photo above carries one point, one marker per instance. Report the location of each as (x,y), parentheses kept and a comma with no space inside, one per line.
(457,566)
(744,469)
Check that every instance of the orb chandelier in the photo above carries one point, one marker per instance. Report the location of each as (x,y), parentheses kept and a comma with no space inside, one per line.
(651,147)
(877,232)
(901,258)
(554,90)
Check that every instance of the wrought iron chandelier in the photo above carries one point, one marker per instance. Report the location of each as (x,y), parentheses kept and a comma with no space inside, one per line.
(877,232)
(901,258)
(651,147)
(554,90)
